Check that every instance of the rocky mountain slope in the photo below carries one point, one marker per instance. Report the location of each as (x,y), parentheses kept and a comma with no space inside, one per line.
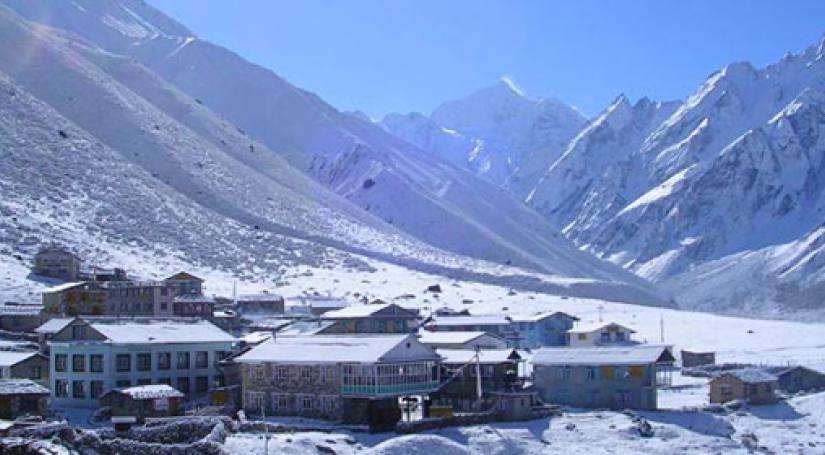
(123,131)
(718,198)
(496,132)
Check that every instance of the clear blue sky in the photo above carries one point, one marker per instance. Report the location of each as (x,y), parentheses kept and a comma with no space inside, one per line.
(401,55)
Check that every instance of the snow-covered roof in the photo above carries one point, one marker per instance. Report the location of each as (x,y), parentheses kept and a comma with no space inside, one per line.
(260,297)
(429,337)
(150,392)
(356,311)
(64,286)
(326,349)
(160,332)
(298,328)
(20,309)
(273,323)
(194,298)
(541,316)
(53,325)
(625,355)
(256,337)
(21,387)
(486,356)
(9,358)
(485,319)
(327,303)
(751,375)
(184,276)
(596,326)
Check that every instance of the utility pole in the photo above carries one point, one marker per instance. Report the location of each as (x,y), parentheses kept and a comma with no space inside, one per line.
(662,328)
(478,375)
(266,429)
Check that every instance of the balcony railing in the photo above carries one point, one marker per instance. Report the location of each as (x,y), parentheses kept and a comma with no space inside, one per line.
(390,389)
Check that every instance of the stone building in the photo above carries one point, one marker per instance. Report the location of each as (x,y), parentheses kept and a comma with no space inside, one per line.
(372,318)
(90,357)
(86,298)
(55,261)
(347,378)
(156,400)
(139,298)
(184,283)
(263,303)
(21,317)
(752,385)
(20,397)
(601,377)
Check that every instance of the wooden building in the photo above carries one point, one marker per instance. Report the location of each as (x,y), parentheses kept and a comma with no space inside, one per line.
(194,305)
(156,400)
(86,298)
(794,379)
(20,397)
(752,385)
(460,370)
(24,365)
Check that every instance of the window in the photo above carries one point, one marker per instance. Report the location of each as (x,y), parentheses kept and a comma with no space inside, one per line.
(96,363)
(78,363)
(258,373)
(326,373)
(621,373)
(591,373)
(78,332)
(144,361)
(487,371)
(306,402)
(144,381)
(283,372)
(123,383)
(78,389)
(164,361)
(164,306)
(306,373)
(566,372)
(124,362)
(280,402)
(183,360)
(60,361)
(61,388)
(219,380)
(95,389)
(582,336)
(329,403)
(36,373)
(183,385)
(605,337)
(255,401)
(620,336)
(201,384)
(201,359)
(219,355)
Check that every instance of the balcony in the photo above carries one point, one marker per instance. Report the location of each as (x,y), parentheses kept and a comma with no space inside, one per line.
(389,379)
(412,388)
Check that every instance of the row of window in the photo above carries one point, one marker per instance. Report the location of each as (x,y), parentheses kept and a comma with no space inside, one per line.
(593,373)
(64,388)
(283,402)
(306,373)
(142,361)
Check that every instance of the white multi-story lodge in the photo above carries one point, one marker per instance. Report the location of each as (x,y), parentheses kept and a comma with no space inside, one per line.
(89,357)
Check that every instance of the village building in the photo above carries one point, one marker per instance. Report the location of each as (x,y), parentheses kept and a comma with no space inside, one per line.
(602,377)
(20,397)
(542,329)
(600,334)
(269,324)
(21,317)
(156,400)
(319,305)
(100,274)
(692,358)
(347,378)
(498,325)
(75,298)
(372,318)
(55,261)
(263,303)
(460,370)
(48,329)
(461,340)
(304,328)
(24,365)
(794,379)
(139,298)
(184,283)
(90,357)
(194,305)
(752,385)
